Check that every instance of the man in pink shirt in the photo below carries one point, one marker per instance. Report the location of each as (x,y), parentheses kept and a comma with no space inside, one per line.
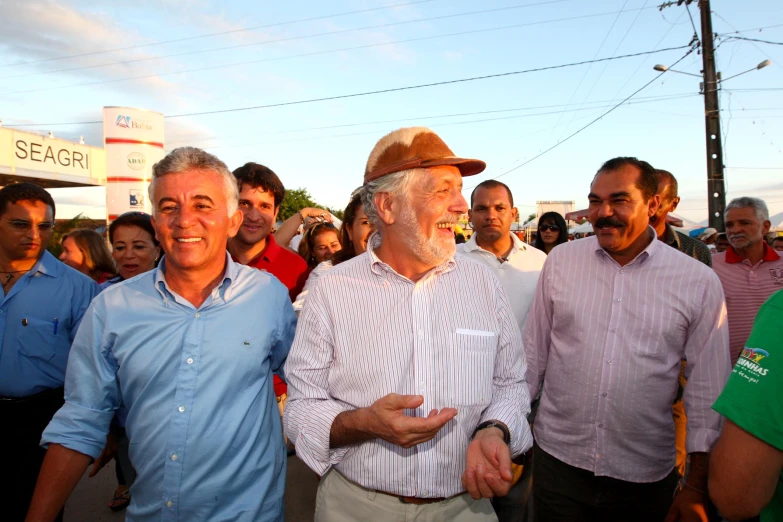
(613,316)
(750,270)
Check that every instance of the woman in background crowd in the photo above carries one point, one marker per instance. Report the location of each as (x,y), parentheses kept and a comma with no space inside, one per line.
(135,251)
(86,251)
(319,243)
(354,233)
(552,231)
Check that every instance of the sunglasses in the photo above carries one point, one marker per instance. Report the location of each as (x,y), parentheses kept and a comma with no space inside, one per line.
(553,228)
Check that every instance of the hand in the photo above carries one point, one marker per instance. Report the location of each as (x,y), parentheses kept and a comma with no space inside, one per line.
(689,505)
(108,453)
(314,212)
(488,468)
(387,420)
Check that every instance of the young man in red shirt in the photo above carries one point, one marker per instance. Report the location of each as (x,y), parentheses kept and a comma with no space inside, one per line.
(260,195)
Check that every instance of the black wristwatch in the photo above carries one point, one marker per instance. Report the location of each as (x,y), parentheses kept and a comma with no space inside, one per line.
(493,424)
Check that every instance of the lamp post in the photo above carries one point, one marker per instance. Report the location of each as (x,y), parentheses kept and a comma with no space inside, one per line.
(716,188)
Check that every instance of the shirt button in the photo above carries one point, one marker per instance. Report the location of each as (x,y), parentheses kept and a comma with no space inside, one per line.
(190,360)
(197,314)
(621,271)
(619,299)
(604,394)
(609,362)
(614,330)
(600,425)
(174,457)
(421,334)
(169,503)
(181,409)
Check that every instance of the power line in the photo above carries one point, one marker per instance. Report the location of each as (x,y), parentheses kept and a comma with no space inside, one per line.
(754,40)
(755,29)
(233,31)
(287,39)
(640,89)
(381,91)
(436,125)
(315,53)
(646,99)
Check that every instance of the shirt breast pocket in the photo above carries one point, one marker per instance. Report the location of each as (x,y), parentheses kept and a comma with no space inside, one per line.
(472,367)
(37,339)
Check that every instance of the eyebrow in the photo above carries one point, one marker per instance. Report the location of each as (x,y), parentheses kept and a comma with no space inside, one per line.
(612,195)
(199,197)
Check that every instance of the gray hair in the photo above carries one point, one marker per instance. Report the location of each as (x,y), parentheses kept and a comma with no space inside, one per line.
(397,184)
(190,158)
(758,205)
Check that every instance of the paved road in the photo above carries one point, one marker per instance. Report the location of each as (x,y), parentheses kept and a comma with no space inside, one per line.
(88,502)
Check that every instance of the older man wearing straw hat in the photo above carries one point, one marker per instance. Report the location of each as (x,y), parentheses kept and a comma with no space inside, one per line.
(406,405)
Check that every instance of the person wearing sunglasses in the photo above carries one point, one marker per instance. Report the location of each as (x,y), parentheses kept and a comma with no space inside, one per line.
(552,231)
(41,306)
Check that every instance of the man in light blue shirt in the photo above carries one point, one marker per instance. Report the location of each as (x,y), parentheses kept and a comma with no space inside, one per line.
(42,302)
(189,349)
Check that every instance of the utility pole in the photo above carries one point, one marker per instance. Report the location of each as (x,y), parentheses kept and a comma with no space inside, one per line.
(716,189)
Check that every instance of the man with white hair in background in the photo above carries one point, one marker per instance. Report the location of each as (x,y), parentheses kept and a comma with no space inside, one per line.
(750,270)
(398,398)
(189,349)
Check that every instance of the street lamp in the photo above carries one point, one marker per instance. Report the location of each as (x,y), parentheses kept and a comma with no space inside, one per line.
(716,188)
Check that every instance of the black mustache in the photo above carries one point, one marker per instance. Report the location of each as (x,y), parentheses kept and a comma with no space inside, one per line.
(607,222)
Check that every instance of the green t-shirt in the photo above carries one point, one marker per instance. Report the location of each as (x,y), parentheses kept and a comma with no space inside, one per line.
(751,398)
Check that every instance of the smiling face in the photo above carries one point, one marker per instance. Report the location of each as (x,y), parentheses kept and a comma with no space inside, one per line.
(427,218)
(325,245)
(492,214)
(359,231)
(25,230)
(259,214)
(133,251)
(191,220)
(618,211)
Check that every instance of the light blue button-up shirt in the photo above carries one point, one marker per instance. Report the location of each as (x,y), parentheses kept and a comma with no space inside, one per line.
(205,433)
(38,321)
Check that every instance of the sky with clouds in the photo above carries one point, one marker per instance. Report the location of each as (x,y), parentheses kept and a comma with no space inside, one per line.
(62,62)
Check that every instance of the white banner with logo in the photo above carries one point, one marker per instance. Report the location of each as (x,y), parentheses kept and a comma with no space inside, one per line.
(134,143)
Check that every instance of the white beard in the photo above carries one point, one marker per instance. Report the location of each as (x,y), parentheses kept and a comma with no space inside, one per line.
(431,250)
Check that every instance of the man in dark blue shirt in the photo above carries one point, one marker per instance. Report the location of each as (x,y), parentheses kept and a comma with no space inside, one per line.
(41,306)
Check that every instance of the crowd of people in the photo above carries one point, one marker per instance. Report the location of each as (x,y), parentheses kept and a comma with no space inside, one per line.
(627,376)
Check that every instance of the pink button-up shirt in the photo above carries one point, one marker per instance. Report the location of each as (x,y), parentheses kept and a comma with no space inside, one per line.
(605,341)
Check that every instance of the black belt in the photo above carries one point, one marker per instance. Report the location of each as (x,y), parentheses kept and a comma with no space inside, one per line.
(30,399)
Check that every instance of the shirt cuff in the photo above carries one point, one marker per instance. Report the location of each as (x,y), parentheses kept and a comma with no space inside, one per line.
(519,429)
(701,440)
(79,429)
(309,426)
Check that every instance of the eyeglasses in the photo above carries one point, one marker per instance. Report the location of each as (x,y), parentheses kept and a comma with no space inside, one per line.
(23,226)
(553,228)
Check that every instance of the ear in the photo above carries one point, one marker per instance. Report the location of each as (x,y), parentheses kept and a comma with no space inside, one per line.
(675,202)
(470,215)
(277,211)
(765,226)
(388,208)
(514,214)
(234,222)
(652,205)
(155,227)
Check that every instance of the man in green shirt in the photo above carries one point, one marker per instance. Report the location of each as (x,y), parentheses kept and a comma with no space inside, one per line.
(745,466)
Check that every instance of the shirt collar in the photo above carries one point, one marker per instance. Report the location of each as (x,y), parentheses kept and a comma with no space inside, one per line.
(271,250)
(378,267)
(517,244)
(223,289)
(47,265)
(643,255)
(769,254)
(672,238)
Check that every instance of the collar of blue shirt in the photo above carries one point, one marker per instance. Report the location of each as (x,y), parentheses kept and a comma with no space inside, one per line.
(222,290)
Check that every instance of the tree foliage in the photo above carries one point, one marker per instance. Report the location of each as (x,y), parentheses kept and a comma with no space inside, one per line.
(60,229)
(297,199)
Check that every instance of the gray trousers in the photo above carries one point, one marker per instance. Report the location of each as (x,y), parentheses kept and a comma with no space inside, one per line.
(340,500)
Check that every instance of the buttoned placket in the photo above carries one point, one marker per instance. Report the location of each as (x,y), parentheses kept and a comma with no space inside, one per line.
(182,409)
(608,367)
(422,359)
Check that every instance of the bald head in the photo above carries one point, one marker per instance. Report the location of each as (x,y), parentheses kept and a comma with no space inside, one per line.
(667,185)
